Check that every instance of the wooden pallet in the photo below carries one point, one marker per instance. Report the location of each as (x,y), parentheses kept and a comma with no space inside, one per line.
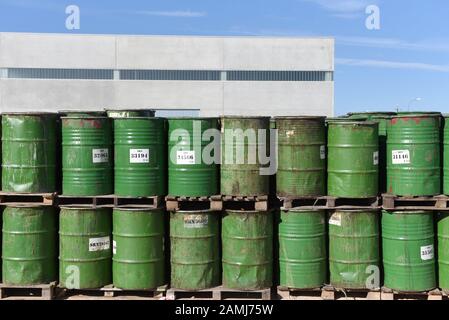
(38,291)
(176,203)
(110,201)
(219,293)
(329,203)
(256,203)
(299,294)
(110,291)
(389,294)
(14,198)
(400,203)
(333,293)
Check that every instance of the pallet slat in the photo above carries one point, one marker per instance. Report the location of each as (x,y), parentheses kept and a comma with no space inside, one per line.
(47,291)
(218,293)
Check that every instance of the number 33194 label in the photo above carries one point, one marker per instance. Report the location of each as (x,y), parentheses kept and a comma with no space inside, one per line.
(400,156)
(139,155)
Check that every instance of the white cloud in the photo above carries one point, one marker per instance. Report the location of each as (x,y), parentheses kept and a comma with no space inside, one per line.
(176,14)
(345,9)
(392,64)
(391,43)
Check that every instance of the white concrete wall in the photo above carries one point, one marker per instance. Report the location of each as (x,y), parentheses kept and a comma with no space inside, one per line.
(171,52)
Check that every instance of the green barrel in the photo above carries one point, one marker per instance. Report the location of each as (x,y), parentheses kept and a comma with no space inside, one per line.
(195,249)
(301,156)
(189,174)
(354,248)
(382,118)
(82,113)
(413,155)
(29,152)
(302,248)
(84,247)
(130,113)
(353,161)
(29,245)
(139,157)
(247,238)
(408,250)
(86,156)
(446,156)
(241,165)
(443,250)
(138,248)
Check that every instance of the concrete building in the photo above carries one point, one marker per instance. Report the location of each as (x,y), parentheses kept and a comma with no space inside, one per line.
(208,75)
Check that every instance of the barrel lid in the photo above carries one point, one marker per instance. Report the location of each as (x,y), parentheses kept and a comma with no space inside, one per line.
(418,114)
(127,109)
(300,209)
(372,113)
(80,207)
(300,118)
(26,205)
(141,118)
(246,211)
(357,210)
(31,113)
(83,112)
(85,117)
(407,211)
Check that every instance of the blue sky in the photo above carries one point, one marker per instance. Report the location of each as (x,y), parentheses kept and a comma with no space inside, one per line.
(375,69)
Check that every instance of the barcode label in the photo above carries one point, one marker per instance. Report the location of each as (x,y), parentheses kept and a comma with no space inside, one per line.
(100,155)
(139,155)
(400,156)
(185,157)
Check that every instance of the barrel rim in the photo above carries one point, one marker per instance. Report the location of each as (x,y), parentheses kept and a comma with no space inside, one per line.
(300,118)
(408,211)
(81,207)
(131,109)
(85,117)
(418,115)
(29,113)
(357,210)
(249,211)
(195,211)
(192,118)
(388,113)
(345,121)
(81,111)
(140,118)
(299,209)
(26,205)
(133,209)
(244,117)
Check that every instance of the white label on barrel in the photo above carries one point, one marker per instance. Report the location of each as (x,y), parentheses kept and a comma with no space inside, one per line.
(376,158)
(323,152)
(185,157)
(195,221)
(400,156)
(114,247)
(335,219)
(100,155)
(427,252)
(139,155)
(98,244)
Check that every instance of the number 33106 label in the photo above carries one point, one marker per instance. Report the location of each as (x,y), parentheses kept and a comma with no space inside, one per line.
(400,156)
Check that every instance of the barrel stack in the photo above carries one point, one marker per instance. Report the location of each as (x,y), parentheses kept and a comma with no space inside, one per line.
(247,222)
(353,164)
(302,232)
(413,178)
(29,255)
(193,204)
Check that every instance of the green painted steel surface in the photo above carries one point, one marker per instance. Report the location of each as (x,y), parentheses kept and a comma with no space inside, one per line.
(446,156)
(130,113)
(247,238)
(353,159)
(443,250)
(302,248)
(240,165)
(85,248)
(354,248)
(301,156)
(408,250)
(29,152)
(382,118)
(188,172)
(86,156)
(29,245)
(413,155)
(140,157)
(195,249)
(138,261)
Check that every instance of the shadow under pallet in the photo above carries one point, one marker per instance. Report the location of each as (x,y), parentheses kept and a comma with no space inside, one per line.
(329,203)
(219,293)
(28,292)
(110,201)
